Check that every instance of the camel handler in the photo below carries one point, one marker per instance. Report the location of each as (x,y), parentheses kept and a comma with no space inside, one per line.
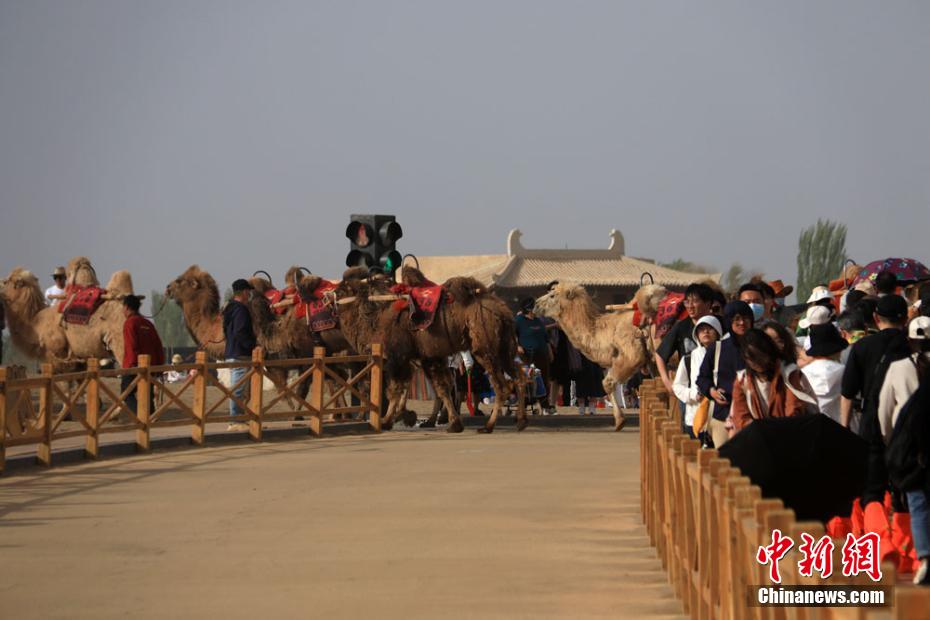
(240,340)
(139,338)
(57,290)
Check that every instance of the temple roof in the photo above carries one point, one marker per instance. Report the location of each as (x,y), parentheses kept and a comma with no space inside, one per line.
(526,268)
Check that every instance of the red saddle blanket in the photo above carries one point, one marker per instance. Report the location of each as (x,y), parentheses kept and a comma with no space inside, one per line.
(277,295)
(671,309)
(426,301)
(319,314)
(80,303)
(316,310)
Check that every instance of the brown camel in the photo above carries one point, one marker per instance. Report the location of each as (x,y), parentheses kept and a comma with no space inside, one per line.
(40,332)
(282,337)
(472,320)
(196,292)
(607,339)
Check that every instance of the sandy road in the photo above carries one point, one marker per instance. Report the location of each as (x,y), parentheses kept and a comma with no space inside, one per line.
(412,525)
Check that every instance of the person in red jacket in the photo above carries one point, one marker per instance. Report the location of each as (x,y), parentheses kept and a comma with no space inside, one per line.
(139,338)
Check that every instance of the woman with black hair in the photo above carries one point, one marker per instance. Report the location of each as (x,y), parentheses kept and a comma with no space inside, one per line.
(767,387)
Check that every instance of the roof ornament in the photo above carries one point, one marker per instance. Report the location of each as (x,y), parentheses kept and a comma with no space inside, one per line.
(514,247)
(617,245)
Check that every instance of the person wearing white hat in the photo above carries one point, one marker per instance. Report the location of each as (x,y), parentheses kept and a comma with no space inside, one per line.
(706,331)
(54,292)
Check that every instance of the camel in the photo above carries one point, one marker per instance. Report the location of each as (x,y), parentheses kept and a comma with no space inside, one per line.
(474,320)
(281,337)
(607,339)
(40,332)
(196,292)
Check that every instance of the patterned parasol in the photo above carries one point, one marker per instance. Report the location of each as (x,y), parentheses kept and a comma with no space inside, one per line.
(906,269)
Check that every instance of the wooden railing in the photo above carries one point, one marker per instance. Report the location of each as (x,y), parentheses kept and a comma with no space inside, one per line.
(33,409)
(706,521)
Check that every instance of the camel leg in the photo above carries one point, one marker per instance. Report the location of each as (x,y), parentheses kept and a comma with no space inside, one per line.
(441,377)
(395,392)
(502,388)
(618,372)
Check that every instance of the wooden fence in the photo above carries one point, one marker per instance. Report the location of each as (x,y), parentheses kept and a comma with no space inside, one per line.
(33,409)
(706,521)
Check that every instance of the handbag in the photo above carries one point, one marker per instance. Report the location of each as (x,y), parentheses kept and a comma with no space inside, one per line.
(701,416)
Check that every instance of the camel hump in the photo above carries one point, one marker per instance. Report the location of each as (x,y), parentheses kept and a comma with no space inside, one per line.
(260,284)
(307,285)
(413,277)
(648,297)
(120,283)
(355,273)
(80,271)
(465,290)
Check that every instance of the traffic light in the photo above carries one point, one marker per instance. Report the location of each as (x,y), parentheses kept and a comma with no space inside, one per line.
(372,240)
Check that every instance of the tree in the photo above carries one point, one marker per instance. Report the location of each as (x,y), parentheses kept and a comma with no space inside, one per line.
(821,254)
(169,321)
(680,264)
(735,277)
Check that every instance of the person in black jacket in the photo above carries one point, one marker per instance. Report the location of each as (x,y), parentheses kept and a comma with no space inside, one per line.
(718,371)
(240,340)
(865,371)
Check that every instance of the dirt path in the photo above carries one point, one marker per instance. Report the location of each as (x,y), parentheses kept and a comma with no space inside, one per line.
(402,525)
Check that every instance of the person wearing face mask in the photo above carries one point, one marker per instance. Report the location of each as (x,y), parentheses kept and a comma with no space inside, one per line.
(752,295)
(775,305)
(767,388)
(718,370)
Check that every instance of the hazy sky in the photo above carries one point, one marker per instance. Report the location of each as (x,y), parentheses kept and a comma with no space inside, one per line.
(241,135)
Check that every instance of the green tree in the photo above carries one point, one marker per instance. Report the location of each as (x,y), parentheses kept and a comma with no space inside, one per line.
(169,321)
(821,253)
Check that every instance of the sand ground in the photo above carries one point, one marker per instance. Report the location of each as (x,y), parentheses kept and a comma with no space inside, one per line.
(401,525)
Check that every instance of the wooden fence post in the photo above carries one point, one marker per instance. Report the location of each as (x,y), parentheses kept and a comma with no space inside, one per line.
(374,414)
(44,449)
(316,391)
(4,402)
(255,394)
(92,396)
(143,403)
(199,404)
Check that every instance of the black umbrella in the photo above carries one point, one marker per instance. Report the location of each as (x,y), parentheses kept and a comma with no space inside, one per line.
(814,465)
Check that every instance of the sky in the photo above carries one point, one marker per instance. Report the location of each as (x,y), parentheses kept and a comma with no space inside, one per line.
(241,135)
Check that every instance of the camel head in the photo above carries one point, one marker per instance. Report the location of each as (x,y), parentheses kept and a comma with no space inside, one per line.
(563,297)
(81,272)
(20,290)
(195,285)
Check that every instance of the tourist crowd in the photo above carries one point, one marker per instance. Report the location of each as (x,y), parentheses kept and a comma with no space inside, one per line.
(861,358)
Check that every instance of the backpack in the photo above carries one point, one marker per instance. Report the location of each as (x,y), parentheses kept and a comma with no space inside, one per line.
(905,454)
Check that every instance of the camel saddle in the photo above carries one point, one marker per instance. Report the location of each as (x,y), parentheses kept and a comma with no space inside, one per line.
(426,301)
(313,307)
(275,295)
(80,303)
(671,309)
(318,312)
